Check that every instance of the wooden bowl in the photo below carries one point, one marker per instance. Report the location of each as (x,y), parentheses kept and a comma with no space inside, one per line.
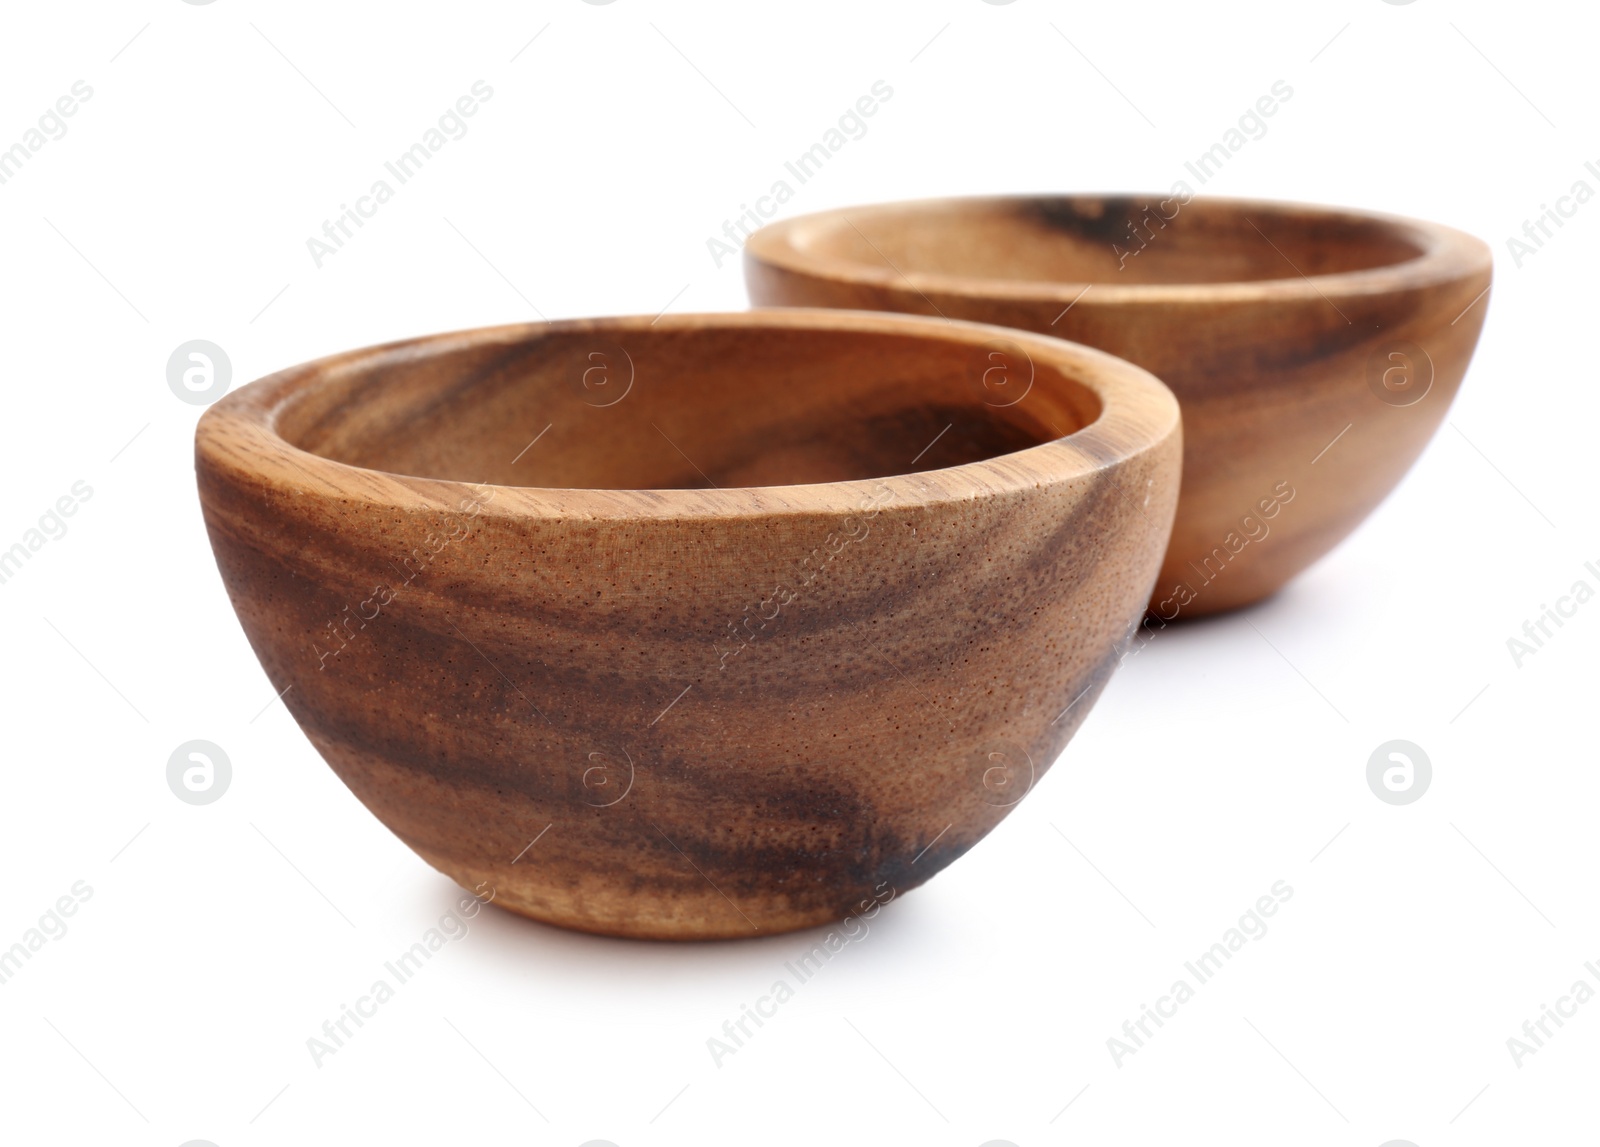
(1314,350)
(695,626)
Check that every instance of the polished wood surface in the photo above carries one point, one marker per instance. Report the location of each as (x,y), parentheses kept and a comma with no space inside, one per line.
(699,626)
(1314,351)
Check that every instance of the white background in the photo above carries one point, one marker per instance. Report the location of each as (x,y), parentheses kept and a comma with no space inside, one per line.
(219,938)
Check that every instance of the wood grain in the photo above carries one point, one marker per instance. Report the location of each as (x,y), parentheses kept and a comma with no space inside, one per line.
(694,627)
(1295,337)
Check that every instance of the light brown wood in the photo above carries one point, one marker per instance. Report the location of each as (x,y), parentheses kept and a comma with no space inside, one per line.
(700,626)
(1314,351)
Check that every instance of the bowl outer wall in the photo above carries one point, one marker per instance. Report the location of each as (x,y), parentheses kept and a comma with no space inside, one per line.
(840,757)
(1268,374)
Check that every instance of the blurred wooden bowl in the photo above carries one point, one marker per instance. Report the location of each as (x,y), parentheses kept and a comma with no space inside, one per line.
(1313,350)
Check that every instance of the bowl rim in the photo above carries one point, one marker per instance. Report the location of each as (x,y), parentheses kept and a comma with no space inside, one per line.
(1446,254)
(238,435)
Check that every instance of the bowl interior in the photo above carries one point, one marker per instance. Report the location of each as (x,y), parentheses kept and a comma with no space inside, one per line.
(1098,239)
(629,406)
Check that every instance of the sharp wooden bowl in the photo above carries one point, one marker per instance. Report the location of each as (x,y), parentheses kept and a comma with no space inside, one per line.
(700,626)
(1313,350)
